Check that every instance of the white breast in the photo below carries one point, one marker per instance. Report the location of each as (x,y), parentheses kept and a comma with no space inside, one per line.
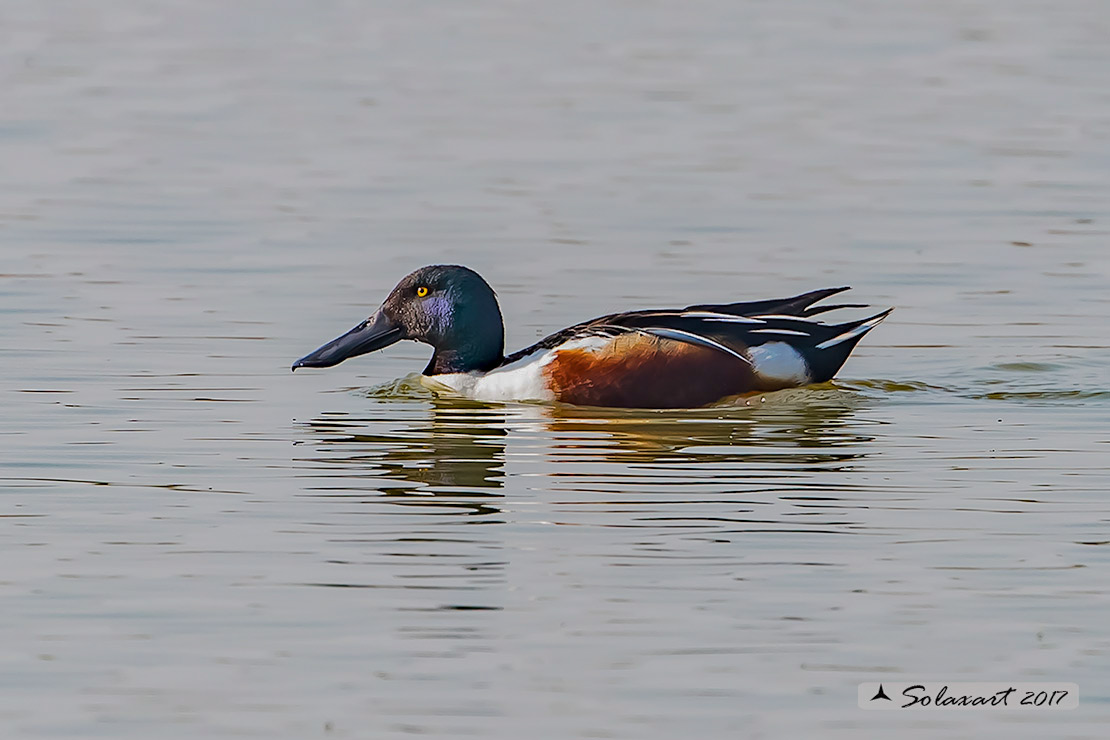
(523,380)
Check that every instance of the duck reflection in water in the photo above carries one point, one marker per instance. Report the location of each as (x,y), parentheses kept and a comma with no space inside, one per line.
(452,451)
(457,448)
(808,428)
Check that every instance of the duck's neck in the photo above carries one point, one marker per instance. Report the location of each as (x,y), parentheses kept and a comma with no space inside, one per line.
(446,361)
(474,346)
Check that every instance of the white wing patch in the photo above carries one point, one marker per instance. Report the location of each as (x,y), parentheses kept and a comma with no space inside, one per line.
(804,319)
(726,317)
(778,362)
(784,332)
(691,338)
(590,342)
(852,333)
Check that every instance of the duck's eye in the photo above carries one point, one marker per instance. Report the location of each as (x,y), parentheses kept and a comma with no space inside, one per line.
(422,291)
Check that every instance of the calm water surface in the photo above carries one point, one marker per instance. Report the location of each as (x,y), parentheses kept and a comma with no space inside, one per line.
(198,543)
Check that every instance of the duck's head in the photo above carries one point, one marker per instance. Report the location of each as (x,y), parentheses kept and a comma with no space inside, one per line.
(447,306)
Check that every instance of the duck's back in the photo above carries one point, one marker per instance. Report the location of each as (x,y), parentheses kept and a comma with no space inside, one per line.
(679,358)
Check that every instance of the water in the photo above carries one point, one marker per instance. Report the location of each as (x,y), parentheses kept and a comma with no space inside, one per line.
(199,543)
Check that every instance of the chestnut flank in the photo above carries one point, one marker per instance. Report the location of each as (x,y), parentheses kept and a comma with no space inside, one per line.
(644,371)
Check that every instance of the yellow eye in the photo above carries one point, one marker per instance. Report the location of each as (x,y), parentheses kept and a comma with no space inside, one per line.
(422,291)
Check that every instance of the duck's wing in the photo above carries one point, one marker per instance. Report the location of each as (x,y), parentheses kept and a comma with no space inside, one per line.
(762,337)
(736,329)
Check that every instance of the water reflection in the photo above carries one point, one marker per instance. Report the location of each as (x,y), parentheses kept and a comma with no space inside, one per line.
(803,427)
(443,446)
(451,451)
(784,455)
(418,473)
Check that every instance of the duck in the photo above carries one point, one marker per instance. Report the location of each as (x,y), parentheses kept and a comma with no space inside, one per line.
(649,359)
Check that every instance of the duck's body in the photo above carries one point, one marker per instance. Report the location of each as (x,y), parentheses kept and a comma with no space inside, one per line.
(665,358)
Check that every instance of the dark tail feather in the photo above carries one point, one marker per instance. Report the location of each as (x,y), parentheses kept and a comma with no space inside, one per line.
(796,306)
(829,356)
(813,311)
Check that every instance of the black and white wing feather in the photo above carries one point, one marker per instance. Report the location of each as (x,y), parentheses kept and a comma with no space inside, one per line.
(736,328)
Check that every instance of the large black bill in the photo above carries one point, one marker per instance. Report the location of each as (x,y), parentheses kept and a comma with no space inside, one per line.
(376,332)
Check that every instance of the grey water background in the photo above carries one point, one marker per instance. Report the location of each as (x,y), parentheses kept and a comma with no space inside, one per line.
(198,543)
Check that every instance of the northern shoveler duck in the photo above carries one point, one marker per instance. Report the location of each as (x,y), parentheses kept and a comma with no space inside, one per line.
(669,358)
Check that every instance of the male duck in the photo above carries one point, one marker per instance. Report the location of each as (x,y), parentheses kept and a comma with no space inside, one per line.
(671,358)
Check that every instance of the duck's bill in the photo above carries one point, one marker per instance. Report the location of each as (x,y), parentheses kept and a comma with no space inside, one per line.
(376,332)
